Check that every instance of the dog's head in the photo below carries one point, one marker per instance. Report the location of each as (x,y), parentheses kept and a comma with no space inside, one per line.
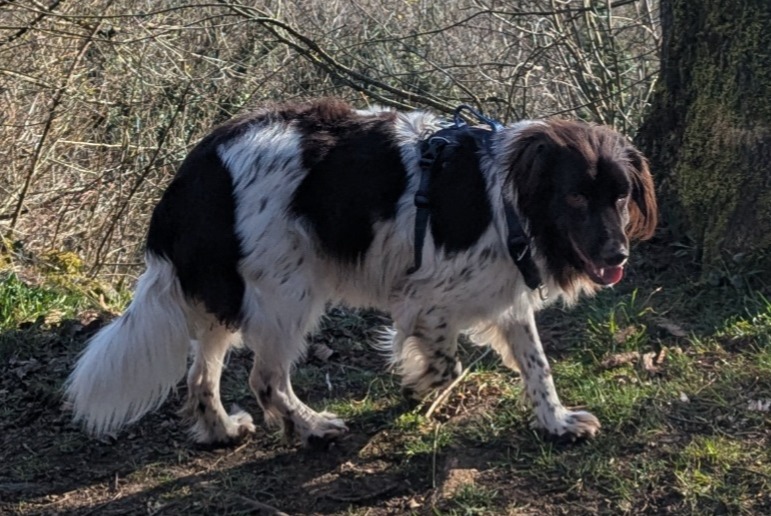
(584,191)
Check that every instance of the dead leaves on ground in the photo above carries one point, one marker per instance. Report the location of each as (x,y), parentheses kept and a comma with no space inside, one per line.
(650,362)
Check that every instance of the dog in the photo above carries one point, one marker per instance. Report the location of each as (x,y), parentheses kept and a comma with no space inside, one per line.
(277,214)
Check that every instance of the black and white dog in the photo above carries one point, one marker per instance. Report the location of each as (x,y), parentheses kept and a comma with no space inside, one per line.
(276,214)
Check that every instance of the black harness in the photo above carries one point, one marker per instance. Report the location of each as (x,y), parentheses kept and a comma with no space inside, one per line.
(440,147)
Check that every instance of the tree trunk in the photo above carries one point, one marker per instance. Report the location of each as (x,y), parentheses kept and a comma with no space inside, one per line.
(708,134)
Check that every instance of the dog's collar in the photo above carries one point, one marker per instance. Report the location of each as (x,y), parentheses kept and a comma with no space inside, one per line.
(432,153)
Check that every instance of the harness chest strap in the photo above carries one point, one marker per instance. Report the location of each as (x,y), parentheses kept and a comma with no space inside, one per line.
(432,152)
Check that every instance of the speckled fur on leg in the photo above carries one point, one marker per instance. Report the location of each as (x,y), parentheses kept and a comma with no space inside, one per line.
(519,345)
(212,423)
(428,357)
(279,318)
(273,388)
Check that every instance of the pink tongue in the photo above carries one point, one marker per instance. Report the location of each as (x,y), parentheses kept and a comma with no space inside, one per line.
(612,275)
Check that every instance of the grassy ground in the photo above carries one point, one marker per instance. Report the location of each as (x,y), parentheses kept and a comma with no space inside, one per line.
(678,372)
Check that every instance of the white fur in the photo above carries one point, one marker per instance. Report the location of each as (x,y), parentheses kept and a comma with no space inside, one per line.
(131,366)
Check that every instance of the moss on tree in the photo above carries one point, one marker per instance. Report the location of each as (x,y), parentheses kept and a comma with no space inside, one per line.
(709,131)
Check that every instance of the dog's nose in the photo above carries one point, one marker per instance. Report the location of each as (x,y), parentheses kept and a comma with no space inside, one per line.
(615,255)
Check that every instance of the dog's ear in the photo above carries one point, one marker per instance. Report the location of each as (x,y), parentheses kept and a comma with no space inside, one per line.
(531,156)
(643,210)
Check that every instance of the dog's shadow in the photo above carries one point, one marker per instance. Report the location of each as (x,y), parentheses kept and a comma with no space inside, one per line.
(50,466)
(291,480)
(154,465)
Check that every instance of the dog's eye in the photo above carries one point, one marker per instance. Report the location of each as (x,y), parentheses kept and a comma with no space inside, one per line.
(622,201)
(576,200)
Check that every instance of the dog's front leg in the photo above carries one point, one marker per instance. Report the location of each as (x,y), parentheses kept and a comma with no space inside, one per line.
(520,347)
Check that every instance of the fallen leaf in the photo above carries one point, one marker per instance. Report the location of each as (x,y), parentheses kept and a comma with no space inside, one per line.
(322,352)
(25,367)
(623,335)
(620,359)
(414,504)
(672,328)
(651,362)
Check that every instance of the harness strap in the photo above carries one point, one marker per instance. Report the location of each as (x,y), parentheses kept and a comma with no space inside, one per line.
(518,244)
(431,150)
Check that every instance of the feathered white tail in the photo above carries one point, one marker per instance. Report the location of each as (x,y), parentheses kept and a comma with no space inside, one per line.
(131,365)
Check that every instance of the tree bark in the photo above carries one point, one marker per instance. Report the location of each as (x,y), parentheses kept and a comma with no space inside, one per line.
(708,134)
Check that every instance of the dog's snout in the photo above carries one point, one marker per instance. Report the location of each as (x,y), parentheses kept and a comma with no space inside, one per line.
(614,255)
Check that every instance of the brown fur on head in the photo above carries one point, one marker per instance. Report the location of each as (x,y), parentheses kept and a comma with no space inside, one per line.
(584,191)
(643,212)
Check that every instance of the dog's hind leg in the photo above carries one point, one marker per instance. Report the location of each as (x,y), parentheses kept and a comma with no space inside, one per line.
(275,332)
(428,356)
(212,424)
(273,387)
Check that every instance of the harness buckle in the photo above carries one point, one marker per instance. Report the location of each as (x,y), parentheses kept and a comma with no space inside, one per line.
(522,253)
(458,119)
(422,200)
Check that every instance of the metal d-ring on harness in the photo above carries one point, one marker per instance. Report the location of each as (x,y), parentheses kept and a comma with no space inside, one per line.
(432,150)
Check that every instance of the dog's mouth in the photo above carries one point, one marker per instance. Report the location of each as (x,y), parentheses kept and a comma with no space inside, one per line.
(604,275)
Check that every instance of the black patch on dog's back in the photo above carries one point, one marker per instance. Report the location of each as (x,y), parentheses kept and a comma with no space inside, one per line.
(193,226)
(355,177)
(460,207)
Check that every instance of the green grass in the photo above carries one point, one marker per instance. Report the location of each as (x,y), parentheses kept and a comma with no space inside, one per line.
(53,296)
(685,437)
(472,500)
(35,311)
(21,302)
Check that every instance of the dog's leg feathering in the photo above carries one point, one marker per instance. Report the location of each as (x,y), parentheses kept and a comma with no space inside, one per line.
(273,388)
(131,365)
(519,340)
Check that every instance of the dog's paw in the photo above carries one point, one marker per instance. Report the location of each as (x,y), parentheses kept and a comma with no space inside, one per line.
(323,430)
(227,432)
(572,426)
(237,427)
(241,424)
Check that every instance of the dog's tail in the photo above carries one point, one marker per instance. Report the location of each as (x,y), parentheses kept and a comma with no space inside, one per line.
(129,367)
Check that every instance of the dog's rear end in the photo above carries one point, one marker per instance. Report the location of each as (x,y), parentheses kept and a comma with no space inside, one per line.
(225,263)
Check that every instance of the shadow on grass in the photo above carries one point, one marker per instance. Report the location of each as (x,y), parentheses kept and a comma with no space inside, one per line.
(50,465)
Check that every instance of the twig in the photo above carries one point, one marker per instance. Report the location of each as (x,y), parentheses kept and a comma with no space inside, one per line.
(37,152)
(433,455)
(446,392)
(311,50)
(31,25)
(263,508)
(230,453)
(367,496)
